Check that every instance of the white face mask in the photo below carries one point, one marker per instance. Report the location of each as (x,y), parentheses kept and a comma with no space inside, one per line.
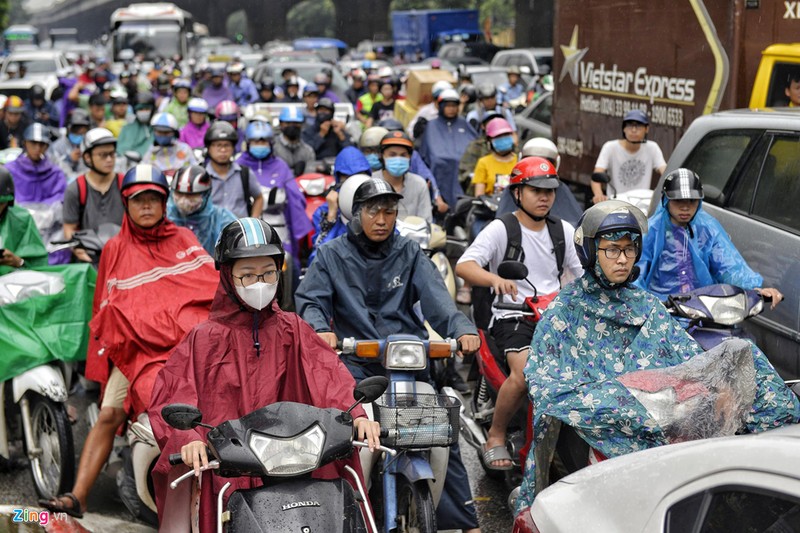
(258,295)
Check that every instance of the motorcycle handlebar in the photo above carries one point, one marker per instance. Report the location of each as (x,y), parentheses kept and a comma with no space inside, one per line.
(175,459)
(511,307)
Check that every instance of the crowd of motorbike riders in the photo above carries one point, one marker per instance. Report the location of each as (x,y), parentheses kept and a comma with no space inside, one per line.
(190,303)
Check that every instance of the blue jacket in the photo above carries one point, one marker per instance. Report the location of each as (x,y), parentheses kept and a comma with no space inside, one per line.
(355,293)
(443,144)
(675,260)
(245,92)
(206,224)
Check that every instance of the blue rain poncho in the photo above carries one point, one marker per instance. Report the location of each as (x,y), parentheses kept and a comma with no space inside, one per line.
(676,259)
(206,223)
(591,340)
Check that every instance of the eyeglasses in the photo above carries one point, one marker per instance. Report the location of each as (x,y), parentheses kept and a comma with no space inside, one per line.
(613,253)
(270,276)
(634,125)
(373,212)
(105,155)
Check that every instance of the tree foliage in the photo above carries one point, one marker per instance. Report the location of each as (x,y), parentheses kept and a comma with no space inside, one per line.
(315,18)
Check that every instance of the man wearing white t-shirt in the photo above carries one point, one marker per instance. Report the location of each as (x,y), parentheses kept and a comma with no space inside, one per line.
(543,241)
(629,161)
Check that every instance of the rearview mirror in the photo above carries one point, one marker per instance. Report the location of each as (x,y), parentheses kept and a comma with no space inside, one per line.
(182,416)
(370,389)
(512,270)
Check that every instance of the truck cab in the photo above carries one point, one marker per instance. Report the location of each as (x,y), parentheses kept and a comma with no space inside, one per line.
(780,64)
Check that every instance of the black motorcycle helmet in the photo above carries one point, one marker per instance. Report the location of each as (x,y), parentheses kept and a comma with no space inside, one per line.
(37,92)
(144,99)
(371,189)
(220,131)
(267,84)
(248,237)
(682,184)
(6,186)
(79,117)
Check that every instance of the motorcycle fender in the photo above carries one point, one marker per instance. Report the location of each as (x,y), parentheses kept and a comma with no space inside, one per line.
(143,454)
(439,458)
(443,267)
(45,380)
(413,467)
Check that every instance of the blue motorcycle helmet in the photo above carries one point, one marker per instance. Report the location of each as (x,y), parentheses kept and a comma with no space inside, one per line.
(143,178)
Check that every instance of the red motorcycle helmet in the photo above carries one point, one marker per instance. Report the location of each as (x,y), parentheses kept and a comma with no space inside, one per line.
(536,172)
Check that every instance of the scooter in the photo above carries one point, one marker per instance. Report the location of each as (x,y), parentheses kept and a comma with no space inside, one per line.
(315,185)
(420,424)
(32,404)
(490,370)
(89,240)
(284,442)
(715,313)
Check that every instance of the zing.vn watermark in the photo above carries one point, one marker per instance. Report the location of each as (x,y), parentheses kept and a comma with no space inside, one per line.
(36,517)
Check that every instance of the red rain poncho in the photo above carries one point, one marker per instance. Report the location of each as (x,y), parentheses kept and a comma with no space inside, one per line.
(153,286)
(218,368)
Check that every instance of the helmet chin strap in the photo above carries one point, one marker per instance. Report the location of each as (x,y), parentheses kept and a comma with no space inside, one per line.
(633,142)
(519,206)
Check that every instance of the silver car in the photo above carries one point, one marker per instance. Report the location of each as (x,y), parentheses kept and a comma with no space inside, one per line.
(747,483)
(749,163)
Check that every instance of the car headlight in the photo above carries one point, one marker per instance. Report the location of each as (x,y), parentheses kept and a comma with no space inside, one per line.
(728,310)
(406,356)
(289,456)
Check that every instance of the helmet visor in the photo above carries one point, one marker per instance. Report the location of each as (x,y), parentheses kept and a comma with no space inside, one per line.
(628,215)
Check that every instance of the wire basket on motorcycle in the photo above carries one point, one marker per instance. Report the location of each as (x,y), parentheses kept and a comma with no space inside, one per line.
(418,420)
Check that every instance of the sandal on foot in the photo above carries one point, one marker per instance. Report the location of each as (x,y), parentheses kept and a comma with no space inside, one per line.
(55,505)
(497,453)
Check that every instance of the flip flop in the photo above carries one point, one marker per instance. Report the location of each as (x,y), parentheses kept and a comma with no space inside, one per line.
(497,453)
(56,506)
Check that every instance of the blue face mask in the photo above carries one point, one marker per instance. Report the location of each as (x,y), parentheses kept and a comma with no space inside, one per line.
(163,140)
(374,161)
(75,138)
(397,166)
(260,152)
(503,144)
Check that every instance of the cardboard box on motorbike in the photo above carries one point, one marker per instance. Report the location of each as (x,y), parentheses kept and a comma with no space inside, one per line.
(419,86)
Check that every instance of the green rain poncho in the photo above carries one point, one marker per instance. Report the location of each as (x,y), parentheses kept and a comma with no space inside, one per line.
(40,329)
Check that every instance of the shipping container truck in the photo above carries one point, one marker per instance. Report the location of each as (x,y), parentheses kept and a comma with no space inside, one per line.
(673,59)
(427,30)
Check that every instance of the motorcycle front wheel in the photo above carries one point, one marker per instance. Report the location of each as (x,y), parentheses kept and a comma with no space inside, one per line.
(415,511)
(53,468)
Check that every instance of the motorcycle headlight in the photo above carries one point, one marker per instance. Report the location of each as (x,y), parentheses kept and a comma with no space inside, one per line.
(691,312)
(290,456)
(419,236)
(727,310)
(313,187)
(406,356)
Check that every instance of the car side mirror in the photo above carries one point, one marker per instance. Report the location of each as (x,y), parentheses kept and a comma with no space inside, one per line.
(713,194)
(182,416)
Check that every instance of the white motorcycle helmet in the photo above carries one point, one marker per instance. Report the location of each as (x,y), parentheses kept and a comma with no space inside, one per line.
(541,147)
(347,192)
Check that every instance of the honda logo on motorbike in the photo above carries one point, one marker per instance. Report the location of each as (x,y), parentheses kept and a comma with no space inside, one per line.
(295,505)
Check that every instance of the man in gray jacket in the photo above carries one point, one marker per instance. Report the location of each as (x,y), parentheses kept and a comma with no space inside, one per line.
(365,284)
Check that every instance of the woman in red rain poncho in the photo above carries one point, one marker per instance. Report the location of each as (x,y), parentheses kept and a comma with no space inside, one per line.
(247,355)
(155,282)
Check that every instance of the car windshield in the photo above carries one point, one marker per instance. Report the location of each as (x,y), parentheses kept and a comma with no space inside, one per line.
(497,77)
(307,72)
(37,66)
(149,39)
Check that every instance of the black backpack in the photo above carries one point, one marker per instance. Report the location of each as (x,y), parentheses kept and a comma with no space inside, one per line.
(482,297)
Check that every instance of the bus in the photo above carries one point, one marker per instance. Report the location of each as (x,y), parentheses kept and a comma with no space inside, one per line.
(19,35)
(153,30)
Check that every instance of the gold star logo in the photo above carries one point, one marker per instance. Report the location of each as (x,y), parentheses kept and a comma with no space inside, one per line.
(572,57)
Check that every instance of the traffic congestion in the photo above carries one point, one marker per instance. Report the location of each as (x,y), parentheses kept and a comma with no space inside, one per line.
(429,282)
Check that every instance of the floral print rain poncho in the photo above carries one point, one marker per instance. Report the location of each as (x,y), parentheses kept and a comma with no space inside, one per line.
(591,335)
